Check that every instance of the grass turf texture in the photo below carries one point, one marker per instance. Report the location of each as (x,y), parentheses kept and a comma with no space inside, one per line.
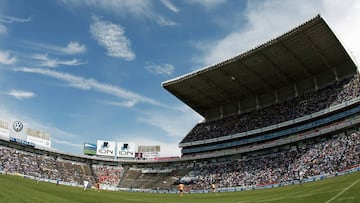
(344,188)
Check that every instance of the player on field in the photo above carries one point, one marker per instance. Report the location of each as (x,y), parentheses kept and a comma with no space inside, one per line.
(213,187)
(98,186)
(86,183)
(301,178)
(181,189)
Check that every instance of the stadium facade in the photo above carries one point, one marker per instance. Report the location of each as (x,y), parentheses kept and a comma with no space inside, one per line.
(285,111)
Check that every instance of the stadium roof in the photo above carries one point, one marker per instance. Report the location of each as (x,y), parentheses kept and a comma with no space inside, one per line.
(305,58)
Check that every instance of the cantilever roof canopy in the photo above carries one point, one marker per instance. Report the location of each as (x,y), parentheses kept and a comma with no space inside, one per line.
(305,58)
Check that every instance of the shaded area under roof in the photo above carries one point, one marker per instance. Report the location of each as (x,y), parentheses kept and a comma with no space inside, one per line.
(303,59)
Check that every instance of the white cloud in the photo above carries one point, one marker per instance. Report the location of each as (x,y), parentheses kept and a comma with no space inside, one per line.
(20,94)
(74,48)
(136,8)
(178,126)
(92,84)
(269,19)
(165,69)
(208,4)
(112,37)
(170,6)
(56,62)
(70,49)
(344,19)
(165,21)
(8,20)
(126,104)
(42,57)
(11,19)
(47,62)
(72,62)
(6,58)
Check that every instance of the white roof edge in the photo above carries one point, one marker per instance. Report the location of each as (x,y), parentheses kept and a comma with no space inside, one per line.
(195,72)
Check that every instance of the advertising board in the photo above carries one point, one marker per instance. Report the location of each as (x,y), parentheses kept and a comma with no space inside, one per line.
(39,141)
(105,148)
(126,150)
(89,149)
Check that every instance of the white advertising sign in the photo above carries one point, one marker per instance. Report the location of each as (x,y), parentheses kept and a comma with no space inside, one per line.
(150,155)
(126,150)
(39,141)
(105,148)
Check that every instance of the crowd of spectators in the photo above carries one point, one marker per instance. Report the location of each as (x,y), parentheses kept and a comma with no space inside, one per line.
(43,167)
(308,103)
(327,156)
(330,156)
(13,161)
(108,175)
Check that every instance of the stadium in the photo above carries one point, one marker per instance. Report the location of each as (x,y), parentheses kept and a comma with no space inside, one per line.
(285,113)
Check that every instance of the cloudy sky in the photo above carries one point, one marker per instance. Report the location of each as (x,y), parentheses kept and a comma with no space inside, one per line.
(83,70)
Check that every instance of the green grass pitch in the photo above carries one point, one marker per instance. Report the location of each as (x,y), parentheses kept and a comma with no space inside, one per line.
(342,189)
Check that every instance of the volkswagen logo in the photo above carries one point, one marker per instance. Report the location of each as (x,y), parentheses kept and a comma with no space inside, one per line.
(18,126)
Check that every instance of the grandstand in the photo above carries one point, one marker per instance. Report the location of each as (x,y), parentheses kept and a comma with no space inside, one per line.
(284,112)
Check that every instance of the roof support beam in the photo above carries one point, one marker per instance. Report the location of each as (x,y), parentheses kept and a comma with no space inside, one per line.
(261,80)
(257,102)
(221,112)
(200,93)
(239,107)
(245,91)
(336,74)
(276,96)
(315,83)
(321,56)
(276,69)
(211,84)
(222,97)
(280,73)
(305,68)
(296,90)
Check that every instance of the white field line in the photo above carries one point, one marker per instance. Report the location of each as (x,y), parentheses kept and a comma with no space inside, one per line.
(338,194)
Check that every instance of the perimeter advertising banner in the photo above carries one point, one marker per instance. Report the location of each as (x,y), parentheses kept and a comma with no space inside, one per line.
(39,141)
(105,148)
(40,138)
(150,155)
(126,150)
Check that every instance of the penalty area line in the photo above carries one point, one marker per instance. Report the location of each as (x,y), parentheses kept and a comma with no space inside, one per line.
(338,194)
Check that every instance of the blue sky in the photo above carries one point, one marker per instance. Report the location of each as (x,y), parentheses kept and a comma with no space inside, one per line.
(83,70)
